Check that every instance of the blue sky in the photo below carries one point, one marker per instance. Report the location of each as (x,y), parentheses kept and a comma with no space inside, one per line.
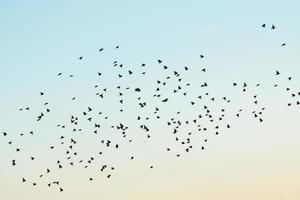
(38,39)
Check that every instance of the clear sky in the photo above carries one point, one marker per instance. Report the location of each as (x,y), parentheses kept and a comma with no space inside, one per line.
(252,160)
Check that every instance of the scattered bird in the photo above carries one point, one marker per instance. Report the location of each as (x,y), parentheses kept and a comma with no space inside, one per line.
(273,27)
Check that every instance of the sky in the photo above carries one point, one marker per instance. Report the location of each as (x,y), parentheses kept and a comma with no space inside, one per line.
(252,160)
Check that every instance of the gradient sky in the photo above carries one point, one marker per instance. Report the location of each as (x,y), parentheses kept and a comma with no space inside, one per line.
(38,39)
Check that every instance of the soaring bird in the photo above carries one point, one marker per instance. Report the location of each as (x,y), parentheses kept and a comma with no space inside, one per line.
(273,27)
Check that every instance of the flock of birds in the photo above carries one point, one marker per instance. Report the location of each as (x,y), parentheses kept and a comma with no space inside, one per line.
(150,106)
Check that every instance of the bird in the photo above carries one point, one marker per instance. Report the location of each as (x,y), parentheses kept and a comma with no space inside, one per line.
(264,25)
(165,100)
